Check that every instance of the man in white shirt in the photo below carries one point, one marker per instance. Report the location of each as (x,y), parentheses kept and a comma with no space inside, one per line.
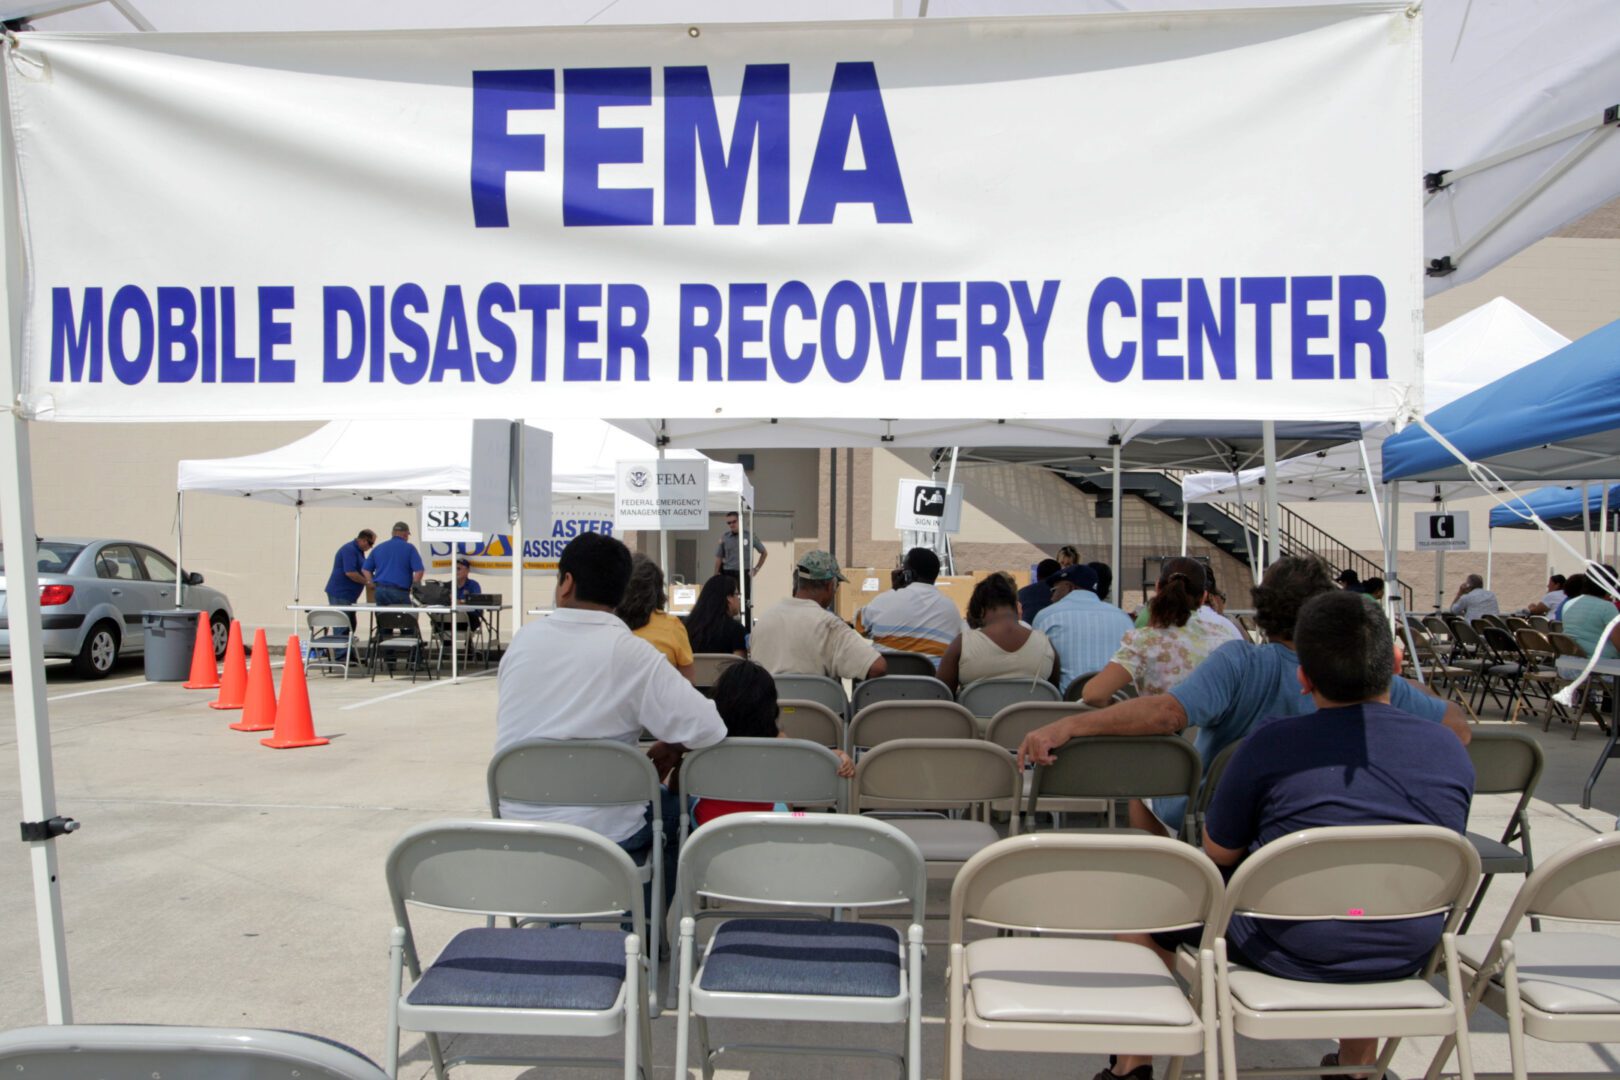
(917,618)
(800,636)
(1473,599)
(1085,631)
(581,674)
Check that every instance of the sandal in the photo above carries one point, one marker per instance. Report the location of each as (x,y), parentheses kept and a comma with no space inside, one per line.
(1333,1059)
(1141,1072)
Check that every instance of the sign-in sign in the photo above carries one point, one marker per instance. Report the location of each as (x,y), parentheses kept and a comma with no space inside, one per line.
(446,518)
(1441,532)
(666,493)
(923,504)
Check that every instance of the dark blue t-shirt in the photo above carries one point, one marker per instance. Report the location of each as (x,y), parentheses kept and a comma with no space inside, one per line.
(394,562)
(349,560)
(1369,764)
(1032,599)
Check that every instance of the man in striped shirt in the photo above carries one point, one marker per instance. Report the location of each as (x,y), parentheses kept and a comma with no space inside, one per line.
(916,617)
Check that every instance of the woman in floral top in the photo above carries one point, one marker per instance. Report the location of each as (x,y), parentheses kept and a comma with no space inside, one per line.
(1176,639)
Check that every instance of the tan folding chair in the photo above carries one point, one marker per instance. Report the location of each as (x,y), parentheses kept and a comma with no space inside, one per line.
(1007,729)
(1119,767)
(92,1051)
(877,724)
(1505,763)
(1349,873)
(802,774)
(1057,994)
(986,697)
(811,721)
(830,692)
(1198,810)
(899,688)
(1077,686)
(706,667)
(908,663)
(1556,986)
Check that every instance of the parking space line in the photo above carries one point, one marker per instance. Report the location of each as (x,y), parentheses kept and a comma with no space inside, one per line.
(415,690)
(124,686)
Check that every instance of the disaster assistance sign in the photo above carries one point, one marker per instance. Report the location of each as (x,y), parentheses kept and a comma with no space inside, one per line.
(1166,216)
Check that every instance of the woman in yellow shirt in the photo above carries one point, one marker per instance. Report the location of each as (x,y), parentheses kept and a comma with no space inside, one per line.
(642,611)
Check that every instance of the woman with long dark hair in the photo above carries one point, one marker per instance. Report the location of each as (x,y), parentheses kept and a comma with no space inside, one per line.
(712,625)
(1175,640)
(642,610)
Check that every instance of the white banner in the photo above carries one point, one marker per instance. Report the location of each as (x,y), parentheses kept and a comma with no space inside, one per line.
(662,493)
(494,555)
(1156,216)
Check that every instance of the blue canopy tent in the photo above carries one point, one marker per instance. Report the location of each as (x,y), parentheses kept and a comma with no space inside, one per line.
(1559,507)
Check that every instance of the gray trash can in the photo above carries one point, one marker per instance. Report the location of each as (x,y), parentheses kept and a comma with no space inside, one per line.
(170,636)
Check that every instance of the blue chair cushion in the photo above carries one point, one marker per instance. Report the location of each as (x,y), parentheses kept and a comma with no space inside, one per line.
(804,956)
(505,968)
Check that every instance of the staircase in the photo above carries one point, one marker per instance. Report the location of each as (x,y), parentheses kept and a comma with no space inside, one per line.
(1236,530)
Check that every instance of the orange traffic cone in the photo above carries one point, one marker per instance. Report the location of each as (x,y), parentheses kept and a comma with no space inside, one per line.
(233,687)
(295,726)
(204,675)
(259,711)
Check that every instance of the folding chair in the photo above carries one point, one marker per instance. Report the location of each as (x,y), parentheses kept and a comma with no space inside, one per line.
(1553,986)
(898,688)
(829,692)
(908,663)
(801,774)
(336,649)
(1515,623)
(811,721)
(1007,730)
(801,969)
(1505,763)
(938,774)
(100,1051)
(1251,629)
(590,772)
(397,633)
(1475,654)
(707,666)
(1120,767)
(1509,665)
(887,720)
(1347,873)
(1540,622)
(511,981)
(1075,995)
(1439,672)
(464,638)
(986,697)
(1198,810)
(1563,645)
(1077,686)
(1540,673)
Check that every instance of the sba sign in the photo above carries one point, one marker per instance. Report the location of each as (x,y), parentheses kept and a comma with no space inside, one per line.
(447,518)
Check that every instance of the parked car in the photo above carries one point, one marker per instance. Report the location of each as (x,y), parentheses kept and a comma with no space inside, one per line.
(92,593)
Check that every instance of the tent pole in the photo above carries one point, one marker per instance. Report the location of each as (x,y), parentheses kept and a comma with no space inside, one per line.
(514,476)
(1490,540)
(1440,555)
(1119,511)
(1392,578)
(298,545)
(663,544)
(944,537)
(1586,520)
(1268,434)
(1603,524)
(1372,486)
(180,548)
(745,556)
(1184,527)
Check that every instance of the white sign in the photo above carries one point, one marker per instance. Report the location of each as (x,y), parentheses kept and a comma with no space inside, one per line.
(922,504)
(1440,532)
(446,517)
(662,493)
(1175,215)
(540,551)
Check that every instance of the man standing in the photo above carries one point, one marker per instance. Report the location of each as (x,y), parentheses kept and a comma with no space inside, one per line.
(1474,599)
(801,636)
(348,574)
(581,674)
(394,566)
(1085,631)
(917,618)
(728,555)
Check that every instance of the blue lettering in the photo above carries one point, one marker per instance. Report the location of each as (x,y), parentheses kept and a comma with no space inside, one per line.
(627,335)
(176,329)
(692,128)
(75,356)
(339,366)
(988,334)
(695,335)
(577,331)
(209,354)
(845,294)
(537,300)
(1157,328)
(743,330)
(409,297)
(792,367)
(452,349)
(495,151)
(1202,326)
(1307,327)
(129,300)
(937,329)
(893,334)
(493,367)
(1264,293)
(232,368)
(1110,291)
(854,104)
(1357,289)
(272,332)
(1036,318)
(379,329)
(587,146)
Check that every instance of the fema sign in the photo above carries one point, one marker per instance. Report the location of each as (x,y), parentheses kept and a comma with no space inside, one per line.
(665,493)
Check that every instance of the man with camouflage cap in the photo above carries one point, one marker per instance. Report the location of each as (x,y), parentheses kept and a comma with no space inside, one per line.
(801,635)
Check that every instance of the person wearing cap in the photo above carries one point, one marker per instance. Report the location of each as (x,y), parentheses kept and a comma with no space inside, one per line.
(466,587)
(394,566)
(348,579)
(801,635)
(1085,631)
(1349,580)
(917,618)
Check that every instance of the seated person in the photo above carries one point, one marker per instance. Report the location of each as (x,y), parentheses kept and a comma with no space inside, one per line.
(914,616)
(1105,579)
(1355,760)
(1587,613)
(1473,599)
(1175,641)
(996,643)
(1036,595)
(1085,631)
(642,610)
(745,696)
(1549,602)
(801,635)
(466,588)
(712,626)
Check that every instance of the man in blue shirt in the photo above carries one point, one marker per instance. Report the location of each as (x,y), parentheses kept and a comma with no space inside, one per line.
(1238,686)
(394,566)
(1036,596)
(1354,760)
(1084,631)
(348,578)
(466,587)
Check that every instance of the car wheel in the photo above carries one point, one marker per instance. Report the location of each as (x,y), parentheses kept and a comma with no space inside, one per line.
(99,652)
(220,627)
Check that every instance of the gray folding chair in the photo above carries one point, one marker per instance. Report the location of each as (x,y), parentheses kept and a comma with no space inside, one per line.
(106,1051)
(1057,994)
(590,772)
(1505,763)
(336,648)
(706,667)
(397,638)
(1119,767)
(1347,874)
(898,688)
(986,697)
(1077,686)
(1554,986)
(811,721)
(887,720)
(801,774)
(829,692)
(499,980)
(1198,810)
(1007,729)
(908,663)
(801,969)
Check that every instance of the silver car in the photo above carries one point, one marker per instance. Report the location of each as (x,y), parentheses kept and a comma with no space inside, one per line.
(92,593)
